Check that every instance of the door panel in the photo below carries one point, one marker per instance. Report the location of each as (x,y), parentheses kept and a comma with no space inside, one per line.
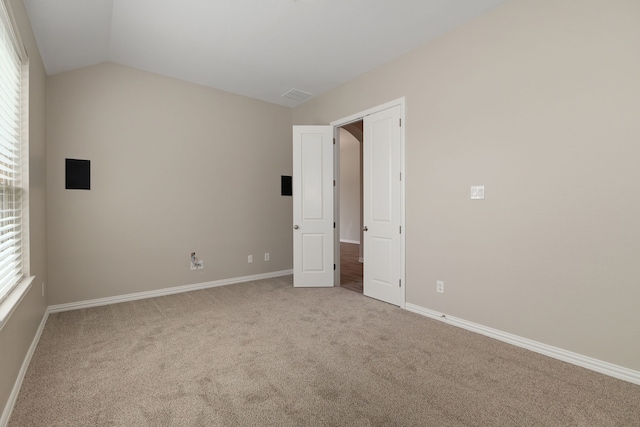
(380,272)
(382,206)
(312,206)
(312,176)
(381,155)
(312,252)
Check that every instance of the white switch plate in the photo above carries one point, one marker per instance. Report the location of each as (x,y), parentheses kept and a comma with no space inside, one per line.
(250,259)
(440,287)
(266,256)
(477,192)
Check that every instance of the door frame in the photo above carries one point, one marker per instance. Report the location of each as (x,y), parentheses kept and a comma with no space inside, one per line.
(336,173)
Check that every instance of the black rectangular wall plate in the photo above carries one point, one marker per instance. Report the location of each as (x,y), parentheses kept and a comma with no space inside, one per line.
(285,186)
(77,174)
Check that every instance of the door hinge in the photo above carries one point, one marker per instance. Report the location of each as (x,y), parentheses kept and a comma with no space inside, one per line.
(334,182)
(400,123)
(400,229)
(399,283)
(334,141)
(334,225)
(400,176)
(334,267)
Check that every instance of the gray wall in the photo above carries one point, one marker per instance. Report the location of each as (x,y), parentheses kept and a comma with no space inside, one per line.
(18,333)
(537,100)
(175,168)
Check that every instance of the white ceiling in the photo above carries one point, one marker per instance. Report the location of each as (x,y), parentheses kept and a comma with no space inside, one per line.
(257,48)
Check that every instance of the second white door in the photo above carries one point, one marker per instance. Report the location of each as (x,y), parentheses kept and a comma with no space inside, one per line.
(382,206)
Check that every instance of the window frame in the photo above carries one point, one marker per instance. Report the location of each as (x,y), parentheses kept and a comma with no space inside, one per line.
(11,297)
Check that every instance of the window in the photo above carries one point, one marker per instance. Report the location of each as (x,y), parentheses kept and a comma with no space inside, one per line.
(13,259)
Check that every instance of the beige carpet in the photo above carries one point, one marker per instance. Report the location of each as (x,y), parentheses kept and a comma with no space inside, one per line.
(265,354)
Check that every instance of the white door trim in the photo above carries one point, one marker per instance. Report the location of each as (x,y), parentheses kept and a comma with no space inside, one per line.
(359,116)
(336,206)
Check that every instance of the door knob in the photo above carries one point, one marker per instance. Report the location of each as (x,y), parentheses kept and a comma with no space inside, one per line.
(365,228)
(295,227)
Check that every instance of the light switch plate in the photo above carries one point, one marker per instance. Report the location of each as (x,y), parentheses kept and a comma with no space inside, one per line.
(477,192)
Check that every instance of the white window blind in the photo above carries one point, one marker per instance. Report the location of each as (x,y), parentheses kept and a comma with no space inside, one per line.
(11,193)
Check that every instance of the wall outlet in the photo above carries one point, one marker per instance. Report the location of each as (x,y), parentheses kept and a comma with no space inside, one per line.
(196,264)
(266,256)
(440,286)
(250,259)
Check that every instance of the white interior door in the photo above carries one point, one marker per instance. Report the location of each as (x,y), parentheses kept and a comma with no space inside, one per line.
(313,263)
(382,206)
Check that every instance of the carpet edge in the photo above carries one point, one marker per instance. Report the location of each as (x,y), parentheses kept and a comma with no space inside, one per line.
(577,359)
(162,292)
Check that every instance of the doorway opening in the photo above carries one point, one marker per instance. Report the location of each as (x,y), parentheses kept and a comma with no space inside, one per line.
(316,220)
(351,210)
(382,250)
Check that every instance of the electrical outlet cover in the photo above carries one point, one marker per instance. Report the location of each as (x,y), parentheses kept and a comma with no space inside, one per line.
(477,192)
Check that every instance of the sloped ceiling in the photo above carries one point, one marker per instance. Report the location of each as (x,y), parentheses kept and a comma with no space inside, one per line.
(256,48)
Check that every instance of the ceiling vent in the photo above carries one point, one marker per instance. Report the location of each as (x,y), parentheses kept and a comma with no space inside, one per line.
(296,95)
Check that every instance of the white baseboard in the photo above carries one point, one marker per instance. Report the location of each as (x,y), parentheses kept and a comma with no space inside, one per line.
(6,414)
(548,350)
(162,292)
(354,242)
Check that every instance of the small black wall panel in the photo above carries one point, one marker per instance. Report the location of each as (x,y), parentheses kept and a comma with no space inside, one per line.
(285,184)
(78,174)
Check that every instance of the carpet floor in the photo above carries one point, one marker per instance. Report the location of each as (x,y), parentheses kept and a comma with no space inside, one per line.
(265,354)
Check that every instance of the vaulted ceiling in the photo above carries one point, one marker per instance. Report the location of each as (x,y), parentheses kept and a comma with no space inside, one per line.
(256,48)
